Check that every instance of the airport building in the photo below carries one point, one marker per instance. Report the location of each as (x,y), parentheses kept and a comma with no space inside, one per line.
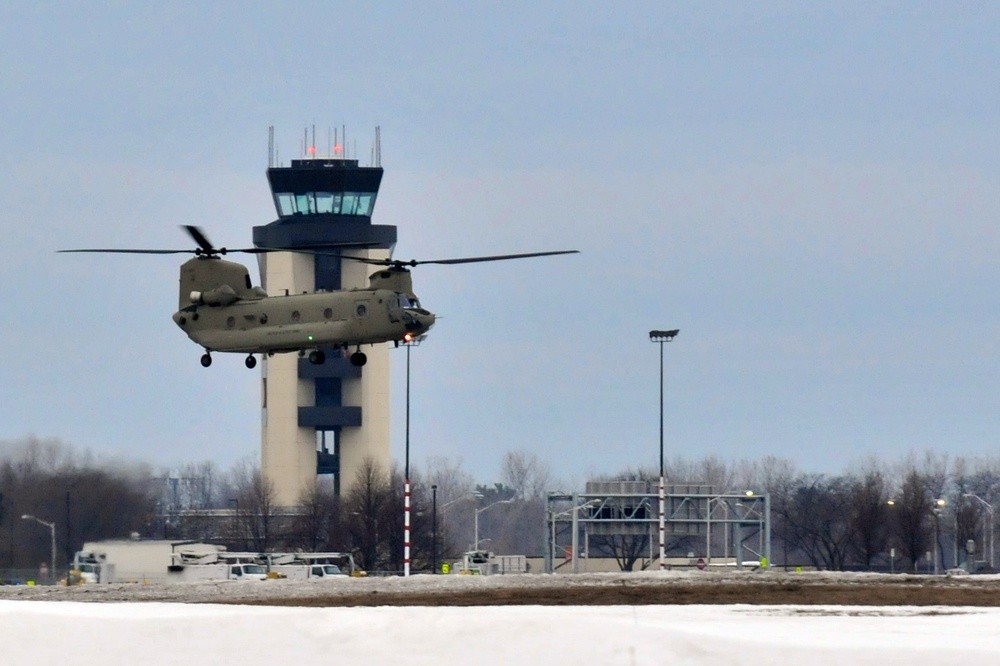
(326,418)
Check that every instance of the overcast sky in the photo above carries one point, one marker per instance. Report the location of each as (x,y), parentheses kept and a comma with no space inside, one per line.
(808,191)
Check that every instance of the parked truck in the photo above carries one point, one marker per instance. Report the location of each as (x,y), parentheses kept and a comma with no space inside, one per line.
(187,566)
(310,566)
(161,561)
(485,563)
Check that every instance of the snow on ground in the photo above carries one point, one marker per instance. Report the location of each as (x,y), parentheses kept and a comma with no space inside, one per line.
(154,634)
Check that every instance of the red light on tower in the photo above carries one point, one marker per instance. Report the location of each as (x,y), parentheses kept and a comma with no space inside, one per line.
(312,150)
(338,149)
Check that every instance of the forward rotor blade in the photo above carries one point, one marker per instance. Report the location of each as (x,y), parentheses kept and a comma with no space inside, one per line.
(121,251)
(199,238)
(460,260)
(498,257)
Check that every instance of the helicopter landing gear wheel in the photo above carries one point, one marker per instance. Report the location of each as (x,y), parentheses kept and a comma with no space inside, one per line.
(251,362)
(317,357)
(358,359)
(206,360)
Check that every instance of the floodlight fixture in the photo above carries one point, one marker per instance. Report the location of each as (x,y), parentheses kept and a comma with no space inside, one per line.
(663,336)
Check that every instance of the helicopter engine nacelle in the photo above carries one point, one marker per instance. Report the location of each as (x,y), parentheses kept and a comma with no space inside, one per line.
(222,295)
(393,279)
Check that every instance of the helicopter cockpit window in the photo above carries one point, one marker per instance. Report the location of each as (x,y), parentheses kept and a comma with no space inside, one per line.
(408,302)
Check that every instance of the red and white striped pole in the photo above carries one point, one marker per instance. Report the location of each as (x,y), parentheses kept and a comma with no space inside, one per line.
(409,341)
(406,529)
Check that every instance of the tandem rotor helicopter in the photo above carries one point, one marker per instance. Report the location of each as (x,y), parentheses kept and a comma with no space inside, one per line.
(220,309)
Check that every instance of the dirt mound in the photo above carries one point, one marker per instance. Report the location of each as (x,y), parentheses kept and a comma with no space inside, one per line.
(639,588)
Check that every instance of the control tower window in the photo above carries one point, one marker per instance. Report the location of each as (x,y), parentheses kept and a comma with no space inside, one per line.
(286,204)
(366,201)
(335,203)
(305,203)
(324,202)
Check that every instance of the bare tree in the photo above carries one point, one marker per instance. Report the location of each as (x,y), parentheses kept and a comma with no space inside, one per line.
(817,519)
(317,522)
(868,516)
(256,506)
(364,507)
(911,512)
(526,473)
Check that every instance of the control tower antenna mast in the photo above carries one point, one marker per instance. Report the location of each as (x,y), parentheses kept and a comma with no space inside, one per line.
(270,147)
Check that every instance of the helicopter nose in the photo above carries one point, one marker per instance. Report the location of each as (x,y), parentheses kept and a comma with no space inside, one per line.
(420,323)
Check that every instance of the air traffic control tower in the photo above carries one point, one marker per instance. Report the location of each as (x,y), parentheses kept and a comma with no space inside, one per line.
(322,419)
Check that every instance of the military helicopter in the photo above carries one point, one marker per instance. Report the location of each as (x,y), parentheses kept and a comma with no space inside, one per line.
(221,310)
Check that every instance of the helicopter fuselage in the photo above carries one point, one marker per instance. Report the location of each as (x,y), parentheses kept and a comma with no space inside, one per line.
(300,322)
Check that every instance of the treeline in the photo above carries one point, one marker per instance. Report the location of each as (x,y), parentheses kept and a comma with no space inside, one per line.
(854,520)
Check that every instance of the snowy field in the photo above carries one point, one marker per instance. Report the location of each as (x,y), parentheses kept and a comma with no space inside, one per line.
(185,623)
(154,634)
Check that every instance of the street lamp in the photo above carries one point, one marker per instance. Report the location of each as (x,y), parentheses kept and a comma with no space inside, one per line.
(937,509)
(52,529)
(236,518)
(660,337)
(479,511)
(989,510)
(409,341)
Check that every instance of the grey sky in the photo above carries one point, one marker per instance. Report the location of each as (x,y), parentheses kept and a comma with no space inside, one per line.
(809,191)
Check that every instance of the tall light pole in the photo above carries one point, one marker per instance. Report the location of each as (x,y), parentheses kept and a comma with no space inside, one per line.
(660,337)
(479,511)
(434,528)
(409,341)
(989,512)
(52,529)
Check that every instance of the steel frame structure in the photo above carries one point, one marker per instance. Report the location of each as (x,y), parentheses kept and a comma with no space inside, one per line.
(746,517)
